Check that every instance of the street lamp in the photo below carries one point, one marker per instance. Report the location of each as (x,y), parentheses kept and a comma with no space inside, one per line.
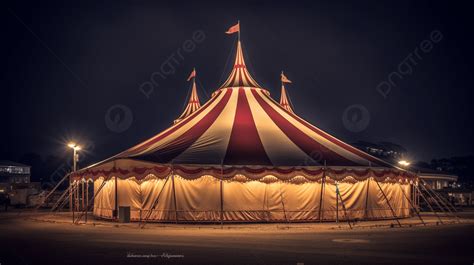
(75,156)
(404,163)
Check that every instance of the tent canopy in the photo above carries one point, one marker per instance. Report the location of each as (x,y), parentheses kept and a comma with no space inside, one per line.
(242,130)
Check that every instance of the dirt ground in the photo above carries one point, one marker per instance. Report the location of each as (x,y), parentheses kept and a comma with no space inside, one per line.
(27,238)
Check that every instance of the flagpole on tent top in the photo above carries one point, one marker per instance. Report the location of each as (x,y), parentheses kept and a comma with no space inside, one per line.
(238,33)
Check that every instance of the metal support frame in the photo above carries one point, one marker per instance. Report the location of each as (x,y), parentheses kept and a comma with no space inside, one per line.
(53,190)
(429,205)
(436,201)
(429,189)
(388,202)
(413,206)
(102,185)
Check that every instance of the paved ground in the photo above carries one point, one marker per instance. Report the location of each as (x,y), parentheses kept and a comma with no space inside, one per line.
(31,240)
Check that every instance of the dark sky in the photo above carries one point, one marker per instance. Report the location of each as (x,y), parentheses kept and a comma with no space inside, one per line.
(64,67)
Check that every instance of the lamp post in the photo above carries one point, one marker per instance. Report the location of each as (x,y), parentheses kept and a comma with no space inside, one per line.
(75,158)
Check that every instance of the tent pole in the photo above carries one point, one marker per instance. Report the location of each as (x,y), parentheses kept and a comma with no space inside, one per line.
(337,206)
(321,196)
(429,205)
(222,204)
(221,195)
(412,205)
(265,204)
(78,204)
(388,202)
(83,194)
(73,200)
(366,212)
(87,197)
(343,206)
(116,199)
(70,194)
(174,198)
(283,204)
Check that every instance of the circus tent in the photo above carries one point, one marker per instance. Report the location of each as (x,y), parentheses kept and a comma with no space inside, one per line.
(243,157)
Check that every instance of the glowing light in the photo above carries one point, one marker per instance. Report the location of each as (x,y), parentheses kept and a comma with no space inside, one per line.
(74,146)
(404,163)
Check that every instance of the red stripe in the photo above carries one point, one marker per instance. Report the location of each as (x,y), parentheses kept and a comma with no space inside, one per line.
(172,130)
(338,142)
(245,147)
(303,141)
(177,146)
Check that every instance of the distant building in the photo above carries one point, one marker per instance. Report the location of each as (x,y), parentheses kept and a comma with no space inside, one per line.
(15,182)
(437,179)
(12,173)
(384,150)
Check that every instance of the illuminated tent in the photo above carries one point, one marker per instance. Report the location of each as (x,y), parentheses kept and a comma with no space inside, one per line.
(243,157)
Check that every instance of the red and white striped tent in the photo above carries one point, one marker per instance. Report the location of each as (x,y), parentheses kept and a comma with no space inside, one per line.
(241,134)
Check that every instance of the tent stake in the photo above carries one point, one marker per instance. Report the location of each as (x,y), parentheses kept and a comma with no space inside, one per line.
(388,202)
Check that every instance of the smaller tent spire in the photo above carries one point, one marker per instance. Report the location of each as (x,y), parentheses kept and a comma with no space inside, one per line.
(193,102)
(284,102)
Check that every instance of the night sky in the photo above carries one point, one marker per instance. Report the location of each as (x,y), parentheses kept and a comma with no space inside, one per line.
(67,68)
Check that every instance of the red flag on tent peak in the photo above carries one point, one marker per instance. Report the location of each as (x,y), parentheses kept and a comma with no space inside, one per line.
(284,79)
(192,75)
(235,28)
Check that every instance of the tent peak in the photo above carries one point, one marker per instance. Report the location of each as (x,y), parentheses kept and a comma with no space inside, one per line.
(240,76)
(193,102)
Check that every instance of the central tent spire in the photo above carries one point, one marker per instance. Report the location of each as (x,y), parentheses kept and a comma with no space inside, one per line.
(239,76)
